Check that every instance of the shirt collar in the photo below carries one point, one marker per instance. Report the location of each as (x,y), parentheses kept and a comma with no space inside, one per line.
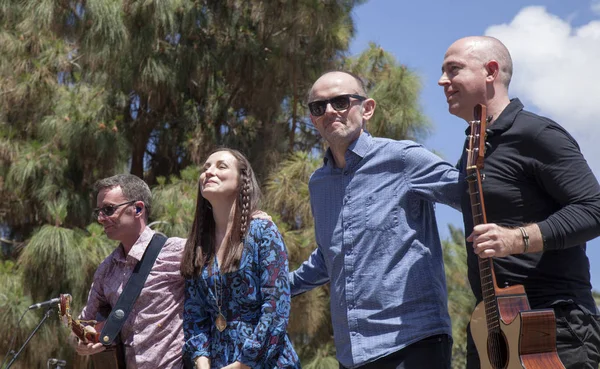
(505,120)
(358,147)
(139,247)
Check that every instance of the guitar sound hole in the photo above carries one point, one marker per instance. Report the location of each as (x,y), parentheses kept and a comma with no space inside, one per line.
(497,350)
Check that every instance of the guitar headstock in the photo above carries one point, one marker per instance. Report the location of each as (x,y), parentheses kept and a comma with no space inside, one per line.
(64,308)
(85,333)
(476,145)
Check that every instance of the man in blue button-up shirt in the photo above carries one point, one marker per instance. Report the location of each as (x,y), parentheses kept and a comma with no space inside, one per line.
(377,240)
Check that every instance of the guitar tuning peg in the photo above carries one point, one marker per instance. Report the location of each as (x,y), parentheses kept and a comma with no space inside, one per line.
(489,118)
(489,132)
(488,146)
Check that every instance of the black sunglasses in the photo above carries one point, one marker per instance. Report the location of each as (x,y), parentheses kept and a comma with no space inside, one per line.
(109,210)
(339,103)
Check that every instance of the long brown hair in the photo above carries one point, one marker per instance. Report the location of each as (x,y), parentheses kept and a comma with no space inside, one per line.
(200,246)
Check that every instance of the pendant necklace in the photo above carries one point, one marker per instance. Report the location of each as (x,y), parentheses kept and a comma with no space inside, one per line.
(220,322)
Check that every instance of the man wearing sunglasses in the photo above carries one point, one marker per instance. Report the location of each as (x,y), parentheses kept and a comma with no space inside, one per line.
(377,241)
(152,334)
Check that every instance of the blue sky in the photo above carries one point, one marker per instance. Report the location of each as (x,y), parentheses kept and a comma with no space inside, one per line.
(555,45)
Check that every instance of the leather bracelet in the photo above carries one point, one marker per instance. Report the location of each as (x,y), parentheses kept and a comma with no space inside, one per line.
(525,239)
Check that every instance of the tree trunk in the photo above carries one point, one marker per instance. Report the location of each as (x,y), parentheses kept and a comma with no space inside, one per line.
(139,145)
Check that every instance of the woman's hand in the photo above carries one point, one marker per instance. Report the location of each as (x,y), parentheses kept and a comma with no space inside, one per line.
(236,365)
(259,214)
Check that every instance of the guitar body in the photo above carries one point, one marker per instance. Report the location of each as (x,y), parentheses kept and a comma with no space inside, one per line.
(528,336)
(112,358)
(510,334)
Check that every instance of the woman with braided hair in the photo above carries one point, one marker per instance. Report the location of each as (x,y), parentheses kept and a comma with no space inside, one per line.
(237,295)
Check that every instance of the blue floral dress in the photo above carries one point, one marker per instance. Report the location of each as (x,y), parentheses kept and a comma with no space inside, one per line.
(255,304)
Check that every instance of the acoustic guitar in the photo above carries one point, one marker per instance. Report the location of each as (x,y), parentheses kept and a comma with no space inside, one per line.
(506,332)
(88,331)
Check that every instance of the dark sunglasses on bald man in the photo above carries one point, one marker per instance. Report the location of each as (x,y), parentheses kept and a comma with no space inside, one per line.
(338,103)
(109,210)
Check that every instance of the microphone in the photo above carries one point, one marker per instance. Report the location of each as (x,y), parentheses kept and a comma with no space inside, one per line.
(44,304)
(58,362)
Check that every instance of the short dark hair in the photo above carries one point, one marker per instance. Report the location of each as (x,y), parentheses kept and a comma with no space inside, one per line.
(133,187)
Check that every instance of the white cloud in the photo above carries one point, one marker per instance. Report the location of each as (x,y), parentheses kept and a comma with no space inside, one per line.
(556,72)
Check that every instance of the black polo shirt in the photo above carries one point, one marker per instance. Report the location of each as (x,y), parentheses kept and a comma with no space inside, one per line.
(535,173)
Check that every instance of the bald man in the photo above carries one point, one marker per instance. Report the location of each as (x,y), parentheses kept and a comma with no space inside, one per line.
(542,200)
(377,241)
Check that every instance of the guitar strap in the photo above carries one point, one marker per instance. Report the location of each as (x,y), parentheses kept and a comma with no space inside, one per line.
(132,290)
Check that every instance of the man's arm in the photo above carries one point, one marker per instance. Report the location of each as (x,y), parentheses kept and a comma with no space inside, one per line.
(492,240)
(431,177)
(96,304)
(565,175)
(312,273)
(568,179)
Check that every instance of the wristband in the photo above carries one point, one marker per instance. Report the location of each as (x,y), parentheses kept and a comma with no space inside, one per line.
(525,239)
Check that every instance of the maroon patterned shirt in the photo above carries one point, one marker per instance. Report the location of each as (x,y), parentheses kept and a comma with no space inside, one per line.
(152,334)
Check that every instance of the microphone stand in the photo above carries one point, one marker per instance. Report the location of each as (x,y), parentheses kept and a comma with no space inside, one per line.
(46,316)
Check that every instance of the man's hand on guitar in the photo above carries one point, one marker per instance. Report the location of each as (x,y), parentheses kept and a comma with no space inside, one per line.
(89,348)
(491,240)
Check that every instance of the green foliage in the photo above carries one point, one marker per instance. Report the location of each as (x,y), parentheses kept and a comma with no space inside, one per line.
(323,358)
(174,203)
(95,247)
(52,253)
(396,90)
(461,301)
(287,189)
(14,302)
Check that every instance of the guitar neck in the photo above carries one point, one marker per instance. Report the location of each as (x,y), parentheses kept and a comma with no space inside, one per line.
(476,152)
(486,266)
(77,329)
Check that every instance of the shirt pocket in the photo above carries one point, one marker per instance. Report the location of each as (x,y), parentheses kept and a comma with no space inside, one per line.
(381,212)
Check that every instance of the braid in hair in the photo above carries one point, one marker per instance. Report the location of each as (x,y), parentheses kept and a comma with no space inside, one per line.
(199,257)
(245,194)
